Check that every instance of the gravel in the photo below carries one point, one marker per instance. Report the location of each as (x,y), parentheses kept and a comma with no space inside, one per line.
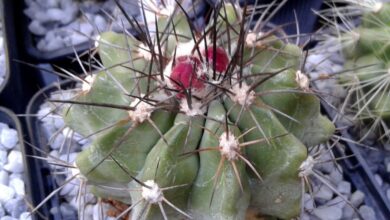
(64,23)
(12,185)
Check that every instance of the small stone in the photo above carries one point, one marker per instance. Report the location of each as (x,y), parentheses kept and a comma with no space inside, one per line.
(15,162)
(344,188)
(58,122)
(18,185)
(16,176)
(9,138)
(25,216)
(378,179)
(357,198)
(308,201)
(323,194)
(36,28)
(4,177)
(328,213)
(67,211)
(57,141)
(67,189)
(88,211)
(336,176)
(3,157)
(15,207)
(348,212)
(6,194)
(338,202)
(367,213)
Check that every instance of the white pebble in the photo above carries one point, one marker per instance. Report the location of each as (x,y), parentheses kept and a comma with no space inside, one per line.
(338,202)
(25,216)
(18,185)
(57,141)
(348,212)
(100,23)
(55,14)
(322,194)
(4,177)
(367,212)
(15,162)
(53,44)
(336,176)
(36,28)
(344,188)
(357,198)
(9,138)
(328,213)
(6,194)
(3,158)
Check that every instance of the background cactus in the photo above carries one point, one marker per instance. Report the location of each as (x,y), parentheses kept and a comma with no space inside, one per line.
(199,125)
(366,75)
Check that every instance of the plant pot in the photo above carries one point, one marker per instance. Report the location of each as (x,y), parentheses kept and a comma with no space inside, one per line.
(17,88)
(44,181)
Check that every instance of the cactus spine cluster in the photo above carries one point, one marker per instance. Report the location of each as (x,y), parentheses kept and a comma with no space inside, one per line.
(201,125)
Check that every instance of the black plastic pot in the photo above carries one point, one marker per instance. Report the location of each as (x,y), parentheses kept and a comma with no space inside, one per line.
(22,81)
(44,180)
(9,118)
(357,170)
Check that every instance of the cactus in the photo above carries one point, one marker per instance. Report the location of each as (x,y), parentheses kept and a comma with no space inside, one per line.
(367,70)
(198,125)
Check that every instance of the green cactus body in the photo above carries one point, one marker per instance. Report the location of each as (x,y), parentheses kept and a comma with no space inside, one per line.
(226,200)
(380,106)
(305,121)
(265,59)
(155,147)
(168,168)
(277,161)
(127,149)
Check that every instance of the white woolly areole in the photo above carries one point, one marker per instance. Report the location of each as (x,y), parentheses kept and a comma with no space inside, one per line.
(185,49)
(75,171)
(142,111)
(241,94)
(195,110)
(302,80)
(153,194)
(306,168)
(87,83)
(98,37)
(377,7)
(252,39)
(229,145)
(144,51)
